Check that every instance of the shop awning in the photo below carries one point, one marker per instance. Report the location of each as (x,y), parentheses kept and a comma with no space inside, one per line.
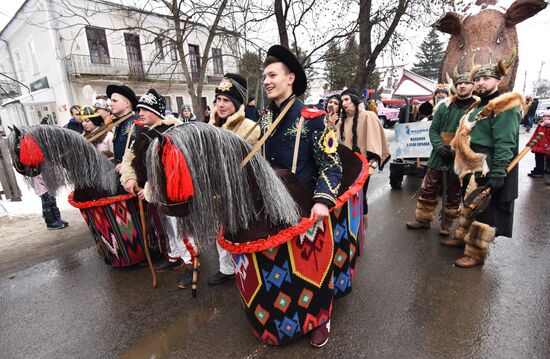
(33,98)
(413,85)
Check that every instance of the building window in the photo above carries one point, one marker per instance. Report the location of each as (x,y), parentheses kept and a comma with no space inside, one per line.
(173,52)
(160,50)
(218,61)
(194,58)
(168,100)
(32,55)
(19,64)
(97,43)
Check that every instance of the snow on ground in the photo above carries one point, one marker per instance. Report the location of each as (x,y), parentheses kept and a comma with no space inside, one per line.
(30,203)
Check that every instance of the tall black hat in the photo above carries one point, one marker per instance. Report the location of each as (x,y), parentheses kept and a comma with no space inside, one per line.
(284,55)
(153,102)
(234,87)
(124,91)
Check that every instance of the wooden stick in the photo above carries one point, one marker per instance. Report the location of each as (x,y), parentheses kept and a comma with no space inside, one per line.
(195,272)
(526,150)
(146,247)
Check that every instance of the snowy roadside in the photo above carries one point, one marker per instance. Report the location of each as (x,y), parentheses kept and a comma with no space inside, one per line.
(30,203)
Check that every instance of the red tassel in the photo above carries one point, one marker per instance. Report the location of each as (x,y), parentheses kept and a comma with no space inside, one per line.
(30,153)
(179,184)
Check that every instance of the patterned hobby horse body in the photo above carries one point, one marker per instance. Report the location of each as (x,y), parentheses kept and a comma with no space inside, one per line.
(64,157)
(288,268)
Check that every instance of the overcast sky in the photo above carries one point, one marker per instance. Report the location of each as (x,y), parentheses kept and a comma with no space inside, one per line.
(533,42)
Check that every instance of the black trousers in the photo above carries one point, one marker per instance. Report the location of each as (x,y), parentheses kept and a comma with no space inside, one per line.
(50,211)
(540,159)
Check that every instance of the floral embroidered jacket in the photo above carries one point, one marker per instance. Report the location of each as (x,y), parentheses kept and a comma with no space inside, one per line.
(318,166)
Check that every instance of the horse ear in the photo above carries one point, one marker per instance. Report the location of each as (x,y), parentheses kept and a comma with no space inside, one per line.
(17,131)
(450,23)
(521,10)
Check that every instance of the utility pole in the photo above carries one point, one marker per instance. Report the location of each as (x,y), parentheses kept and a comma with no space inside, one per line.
(524,82)
(539,78)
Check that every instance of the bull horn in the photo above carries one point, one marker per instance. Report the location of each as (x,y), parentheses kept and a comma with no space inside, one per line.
(455,74)
(504,65)
(473,67)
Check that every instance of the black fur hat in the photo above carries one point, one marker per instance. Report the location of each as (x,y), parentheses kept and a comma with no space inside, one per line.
(234,87)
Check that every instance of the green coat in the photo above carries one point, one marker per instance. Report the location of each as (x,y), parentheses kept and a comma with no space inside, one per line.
(498,134)
(445,119)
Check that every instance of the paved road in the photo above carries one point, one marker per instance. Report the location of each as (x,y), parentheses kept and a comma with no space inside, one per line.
(58,299)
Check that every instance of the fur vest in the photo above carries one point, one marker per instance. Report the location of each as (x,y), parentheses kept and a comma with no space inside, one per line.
(238,124)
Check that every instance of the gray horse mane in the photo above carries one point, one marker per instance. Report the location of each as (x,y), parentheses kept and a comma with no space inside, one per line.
(222,192)
(70,160)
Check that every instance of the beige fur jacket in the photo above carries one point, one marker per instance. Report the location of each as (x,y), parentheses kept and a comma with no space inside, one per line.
(238,124)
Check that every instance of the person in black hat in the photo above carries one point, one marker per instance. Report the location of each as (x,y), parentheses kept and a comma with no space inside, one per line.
(123,102)
(229,113)
(317,164)
(251,111)
(152,109)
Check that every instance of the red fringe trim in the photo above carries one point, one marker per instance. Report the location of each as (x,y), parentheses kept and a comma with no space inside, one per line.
(30,153)
(285,235)
(99,202)
(179,184)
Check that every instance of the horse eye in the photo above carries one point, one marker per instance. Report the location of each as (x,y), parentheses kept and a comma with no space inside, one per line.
(499,38)
(461,43)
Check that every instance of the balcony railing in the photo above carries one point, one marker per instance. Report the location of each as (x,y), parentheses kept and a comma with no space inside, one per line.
(82,66)
(9,89)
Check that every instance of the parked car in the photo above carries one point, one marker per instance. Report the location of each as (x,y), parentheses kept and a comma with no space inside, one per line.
(388,116)
(544,104)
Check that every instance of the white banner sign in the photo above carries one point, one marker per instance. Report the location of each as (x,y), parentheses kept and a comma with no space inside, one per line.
(412,140)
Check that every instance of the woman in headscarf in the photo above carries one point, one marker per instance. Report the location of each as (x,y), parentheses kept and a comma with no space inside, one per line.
(93,122)
(362,132)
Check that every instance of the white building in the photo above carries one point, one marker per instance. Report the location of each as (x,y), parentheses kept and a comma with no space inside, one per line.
(54,51)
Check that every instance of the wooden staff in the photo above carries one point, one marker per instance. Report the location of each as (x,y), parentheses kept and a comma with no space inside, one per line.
(482,199)
(144,231)
(195,272)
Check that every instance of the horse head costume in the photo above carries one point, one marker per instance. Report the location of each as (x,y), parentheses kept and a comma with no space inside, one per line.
(260,215)
(62,157)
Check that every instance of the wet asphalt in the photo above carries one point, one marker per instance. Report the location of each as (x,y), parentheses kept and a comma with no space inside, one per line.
(59,300)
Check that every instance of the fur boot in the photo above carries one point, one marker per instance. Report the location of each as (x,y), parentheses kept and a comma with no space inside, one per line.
(477,245)
(425,211)
(450,215)
(465,220)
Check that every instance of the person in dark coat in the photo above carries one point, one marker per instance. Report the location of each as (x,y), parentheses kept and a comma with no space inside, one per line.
(251,111)
(530,115)
(317,165)
(152,108)
(123,102)
(75,124)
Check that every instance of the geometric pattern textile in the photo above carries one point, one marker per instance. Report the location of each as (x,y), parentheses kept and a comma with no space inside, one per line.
(116,228)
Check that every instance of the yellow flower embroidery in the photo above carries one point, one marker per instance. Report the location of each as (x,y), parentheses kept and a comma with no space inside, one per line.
(330,143)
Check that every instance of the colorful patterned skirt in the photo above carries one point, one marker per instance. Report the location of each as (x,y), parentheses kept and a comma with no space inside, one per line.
(116,226)
(287,281)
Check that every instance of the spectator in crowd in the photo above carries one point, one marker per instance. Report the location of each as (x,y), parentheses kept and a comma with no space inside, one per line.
(187,114)
(93,122)
(542,148)
(530,114)
(50,211)
(104,110)
(251,111)
(75,123)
